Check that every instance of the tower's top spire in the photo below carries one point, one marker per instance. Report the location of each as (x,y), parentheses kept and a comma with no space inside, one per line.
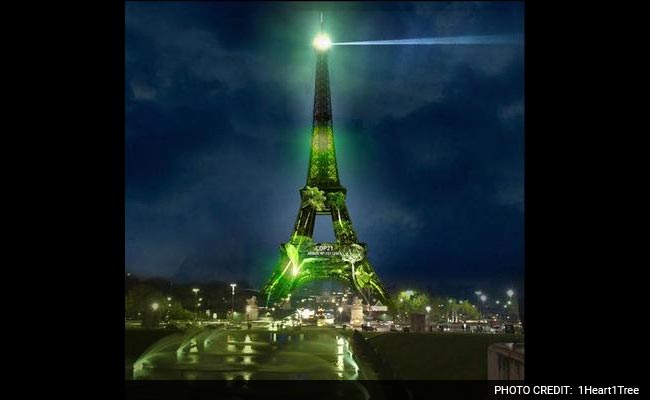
(322,41)
(323,171)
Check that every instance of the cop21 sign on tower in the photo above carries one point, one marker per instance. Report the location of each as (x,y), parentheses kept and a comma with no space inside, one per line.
(301,260)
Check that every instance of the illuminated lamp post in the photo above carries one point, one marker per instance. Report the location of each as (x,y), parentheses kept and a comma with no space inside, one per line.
(478,294)
(510,293)
(483,299)
(196,302)
(169,308)
(154,307)
(198,312)
(232,304)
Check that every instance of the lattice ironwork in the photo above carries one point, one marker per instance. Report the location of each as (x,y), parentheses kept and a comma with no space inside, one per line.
(302,260)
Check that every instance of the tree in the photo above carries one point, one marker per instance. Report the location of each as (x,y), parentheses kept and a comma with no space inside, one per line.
(139,299)
(313,197)
(177,312)
(410,301)
(442,308)
(336,201)
(344,231)
(466,311)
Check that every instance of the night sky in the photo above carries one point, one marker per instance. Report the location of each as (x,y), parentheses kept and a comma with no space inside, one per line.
(429,139)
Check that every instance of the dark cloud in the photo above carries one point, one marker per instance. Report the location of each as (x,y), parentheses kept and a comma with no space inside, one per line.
(449,182)
(429,139)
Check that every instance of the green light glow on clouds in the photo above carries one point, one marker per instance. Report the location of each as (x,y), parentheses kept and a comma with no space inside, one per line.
(301,260)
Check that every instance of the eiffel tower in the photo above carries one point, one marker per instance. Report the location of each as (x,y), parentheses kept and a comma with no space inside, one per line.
(302,260)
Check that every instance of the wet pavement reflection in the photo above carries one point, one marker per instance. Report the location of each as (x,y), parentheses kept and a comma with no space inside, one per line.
(235,355)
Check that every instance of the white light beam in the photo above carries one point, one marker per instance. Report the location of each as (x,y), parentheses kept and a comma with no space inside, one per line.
(449,40)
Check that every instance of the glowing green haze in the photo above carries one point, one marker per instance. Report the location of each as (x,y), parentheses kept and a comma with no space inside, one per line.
(301,260)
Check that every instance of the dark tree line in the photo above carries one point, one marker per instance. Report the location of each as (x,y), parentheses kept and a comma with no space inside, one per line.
(155,299)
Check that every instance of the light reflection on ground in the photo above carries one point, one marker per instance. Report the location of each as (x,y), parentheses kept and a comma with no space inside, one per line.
(234,355)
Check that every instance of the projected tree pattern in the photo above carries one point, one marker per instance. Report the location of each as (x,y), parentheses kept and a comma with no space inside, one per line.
(301,260)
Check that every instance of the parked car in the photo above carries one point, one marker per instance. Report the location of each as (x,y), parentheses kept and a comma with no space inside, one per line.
(368,328)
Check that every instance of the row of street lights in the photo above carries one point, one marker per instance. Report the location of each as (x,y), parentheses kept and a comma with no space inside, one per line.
(155,306)
(197,302)
(483,297)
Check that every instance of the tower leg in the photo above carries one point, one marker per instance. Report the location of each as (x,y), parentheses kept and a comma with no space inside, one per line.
(300,262)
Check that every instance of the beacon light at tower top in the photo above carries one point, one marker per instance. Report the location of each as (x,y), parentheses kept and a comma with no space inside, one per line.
(322,42)
(301,259)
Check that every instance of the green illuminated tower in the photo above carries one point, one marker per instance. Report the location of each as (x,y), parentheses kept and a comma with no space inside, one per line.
(302,260)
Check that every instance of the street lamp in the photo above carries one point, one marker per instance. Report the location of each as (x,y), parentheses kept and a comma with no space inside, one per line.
(483,299)
(428,308)
(154,307)
(232,304)
(196,301)
(169,306)
(340,314)
(510,293)
(478,294)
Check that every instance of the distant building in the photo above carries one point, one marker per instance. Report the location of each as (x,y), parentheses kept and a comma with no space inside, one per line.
(378,310)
